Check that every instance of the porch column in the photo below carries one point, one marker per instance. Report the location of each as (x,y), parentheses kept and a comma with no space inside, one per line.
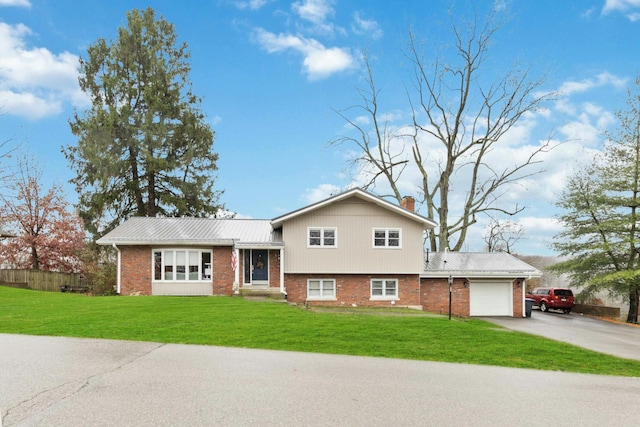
(236,271)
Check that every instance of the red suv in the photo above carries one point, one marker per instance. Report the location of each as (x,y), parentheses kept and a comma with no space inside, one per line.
(554,298)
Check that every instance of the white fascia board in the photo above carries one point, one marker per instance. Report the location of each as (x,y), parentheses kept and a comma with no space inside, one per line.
(481,274)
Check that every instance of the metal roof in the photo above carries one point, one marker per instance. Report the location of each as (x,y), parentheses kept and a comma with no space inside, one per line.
(469,264)
(193,231)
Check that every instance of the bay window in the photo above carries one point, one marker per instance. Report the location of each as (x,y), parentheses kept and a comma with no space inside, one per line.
(181,265)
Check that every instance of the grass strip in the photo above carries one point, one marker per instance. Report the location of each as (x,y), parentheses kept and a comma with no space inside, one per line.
(237,322)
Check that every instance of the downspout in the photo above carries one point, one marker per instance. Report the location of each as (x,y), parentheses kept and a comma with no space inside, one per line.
(524,296)
(283,290)
(118,268)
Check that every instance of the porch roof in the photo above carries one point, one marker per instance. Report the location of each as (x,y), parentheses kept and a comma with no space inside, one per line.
(477,265)
(193,231)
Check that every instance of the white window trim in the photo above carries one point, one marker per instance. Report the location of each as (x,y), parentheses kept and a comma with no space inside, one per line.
(174,250)
(386,238)
(383,297)
(322,245)
(322,298)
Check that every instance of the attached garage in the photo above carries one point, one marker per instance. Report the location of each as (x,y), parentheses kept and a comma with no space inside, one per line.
(490,298)
(475,284)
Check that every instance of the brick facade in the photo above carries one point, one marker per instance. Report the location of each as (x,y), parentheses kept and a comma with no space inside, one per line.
(355,289)
(136,274)
(223,274)
(435,296)
(351,289)
(135,270)
(274,269)
(518,298)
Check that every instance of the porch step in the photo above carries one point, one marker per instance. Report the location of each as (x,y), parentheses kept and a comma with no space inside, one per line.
(271,293)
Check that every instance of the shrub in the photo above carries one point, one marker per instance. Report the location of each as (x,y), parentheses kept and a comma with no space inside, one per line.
(104,280)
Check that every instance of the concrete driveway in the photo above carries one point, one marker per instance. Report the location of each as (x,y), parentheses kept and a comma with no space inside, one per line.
(606,337)
(52,381)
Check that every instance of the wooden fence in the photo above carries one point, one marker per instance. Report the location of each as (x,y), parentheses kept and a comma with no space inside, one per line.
(40,280)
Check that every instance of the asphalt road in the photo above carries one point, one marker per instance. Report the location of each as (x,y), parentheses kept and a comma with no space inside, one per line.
(51,381)
(605,337)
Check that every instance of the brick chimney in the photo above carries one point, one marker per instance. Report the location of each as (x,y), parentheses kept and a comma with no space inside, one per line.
(409,203)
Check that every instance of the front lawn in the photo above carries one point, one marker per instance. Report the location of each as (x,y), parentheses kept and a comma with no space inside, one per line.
(236,322)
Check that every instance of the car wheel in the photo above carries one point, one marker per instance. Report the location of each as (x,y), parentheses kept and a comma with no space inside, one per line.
(543,306)
(567,311)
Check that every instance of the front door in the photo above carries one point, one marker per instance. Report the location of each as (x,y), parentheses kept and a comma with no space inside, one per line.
(259,267)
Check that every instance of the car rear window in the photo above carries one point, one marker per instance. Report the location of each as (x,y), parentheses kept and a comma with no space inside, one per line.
(564,292)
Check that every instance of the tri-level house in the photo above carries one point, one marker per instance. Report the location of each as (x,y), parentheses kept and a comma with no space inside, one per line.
(352,249)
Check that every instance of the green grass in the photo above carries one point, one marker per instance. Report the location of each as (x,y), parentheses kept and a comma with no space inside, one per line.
(236,322)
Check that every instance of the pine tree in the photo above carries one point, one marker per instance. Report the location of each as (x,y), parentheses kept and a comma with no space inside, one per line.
(144,147)
(601,203)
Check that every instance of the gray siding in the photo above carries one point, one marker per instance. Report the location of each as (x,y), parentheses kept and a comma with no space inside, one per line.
(354,220)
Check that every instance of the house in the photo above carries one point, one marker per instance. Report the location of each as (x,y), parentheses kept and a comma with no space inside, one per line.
(352,249)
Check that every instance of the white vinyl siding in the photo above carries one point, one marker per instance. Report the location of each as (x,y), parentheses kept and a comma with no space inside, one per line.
(322,237)
(384,289)
(321,289)
(489,298)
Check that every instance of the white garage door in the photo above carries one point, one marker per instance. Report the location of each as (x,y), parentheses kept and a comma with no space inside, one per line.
(490,299)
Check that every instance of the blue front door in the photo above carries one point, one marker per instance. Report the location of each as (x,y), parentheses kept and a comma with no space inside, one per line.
(260,266)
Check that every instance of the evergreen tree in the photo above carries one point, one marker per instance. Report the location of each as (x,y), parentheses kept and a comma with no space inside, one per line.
(601,203)
(144,147)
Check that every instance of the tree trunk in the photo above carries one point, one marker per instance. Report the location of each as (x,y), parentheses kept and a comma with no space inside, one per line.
(632,317)
(35,262)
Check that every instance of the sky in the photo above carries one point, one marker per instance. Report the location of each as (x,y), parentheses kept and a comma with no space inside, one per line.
(274,74)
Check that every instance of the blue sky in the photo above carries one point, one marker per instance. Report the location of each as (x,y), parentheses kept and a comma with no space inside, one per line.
(272,72)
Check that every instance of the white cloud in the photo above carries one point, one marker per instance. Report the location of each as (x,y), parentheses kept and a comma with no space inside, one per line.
(602,79)
(619,5)
(19,3)
(318,61)
(251,4)
(321,192)
(35,82)
(314,11)
(28,105)
(625,6)
(368,27)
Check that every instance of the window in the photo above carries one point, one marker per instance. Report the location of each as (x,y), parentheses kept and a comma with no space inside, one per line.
(322,237)
(181,265)
(384,288)
(321,289)
(387,238)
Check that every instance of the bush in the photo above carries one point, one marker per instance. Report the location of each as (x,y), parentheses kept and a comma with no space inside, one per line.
(104,280)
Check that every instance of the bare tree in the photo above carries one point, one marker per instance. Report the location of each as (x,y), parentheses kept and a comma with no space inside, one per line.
(502,235)
(458,119)
(7,151)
